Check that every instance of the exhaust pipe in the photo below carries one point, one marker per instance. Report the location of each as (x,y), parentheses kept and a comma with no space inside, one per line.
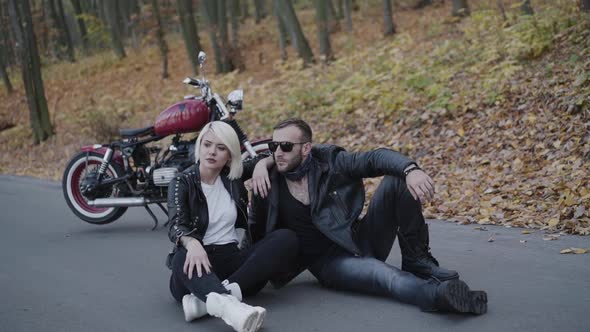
(123,201)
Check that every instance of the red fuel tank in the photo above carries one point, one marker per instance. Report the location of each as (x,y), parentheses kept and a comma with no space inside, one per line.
(186,116)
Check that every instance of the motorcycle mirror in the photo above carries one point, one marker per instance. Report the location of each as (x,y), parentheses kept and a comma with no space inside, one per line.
(235,99)
(202,58)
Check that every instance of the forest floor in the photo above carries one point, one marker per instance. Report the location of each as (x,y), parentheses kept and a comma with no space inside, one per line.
(496,110)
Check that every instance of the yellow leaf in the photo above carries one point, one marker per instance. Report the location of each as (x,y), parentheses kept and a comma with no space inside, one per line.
(526,232)
(553,222)
(566,251)
(461,132)
(579,251)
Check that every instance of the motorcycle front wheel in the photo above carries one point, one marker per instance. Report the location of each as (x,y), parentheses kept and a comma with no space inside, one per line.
(78,169)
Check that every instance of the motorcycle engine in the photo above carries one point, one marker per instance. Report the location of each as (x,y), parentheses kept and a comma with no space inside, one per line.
(163,176)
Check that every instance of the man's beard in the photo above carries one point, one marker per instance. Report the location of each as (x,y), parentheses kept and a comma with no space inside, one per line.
(293,164)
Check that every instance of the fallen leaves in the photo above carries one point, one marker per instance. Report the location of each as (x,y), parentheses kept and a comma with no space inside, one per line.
(577,251)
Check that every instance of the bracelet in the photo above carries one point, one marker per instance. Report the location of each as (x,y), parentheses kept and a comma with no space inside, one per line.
(411,169)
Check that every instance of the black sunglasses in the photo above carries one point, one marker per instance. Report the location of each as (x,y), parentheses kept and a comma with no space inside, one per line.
(285,146)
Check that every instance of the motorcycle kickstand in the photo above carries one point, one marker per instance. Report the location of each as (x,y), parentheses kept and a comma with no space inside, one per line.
(165,212)
(153,217)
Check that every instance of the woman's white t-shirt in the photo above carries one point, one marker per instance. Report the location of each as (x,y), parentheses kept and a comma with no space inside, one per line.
(222,214)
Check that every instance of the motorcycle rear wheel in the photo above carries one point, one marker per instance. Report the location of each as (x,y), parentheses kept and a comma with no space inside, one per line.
(73,176)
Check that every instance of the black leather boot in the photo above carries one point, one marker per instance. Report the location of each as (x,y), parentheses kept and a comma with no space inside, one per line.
(417,259)
(455,296)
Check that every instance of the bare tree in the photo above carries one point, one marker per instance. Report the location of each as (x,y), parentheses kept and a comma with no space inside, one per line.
(282,28)
(189,32)
(388,26)
(112,16)
(22,23)
(161,41)
(287,13)
(81,24)
(64,39)
(347,15)
(322,9)
(460,8)
(526,7)
(259,10)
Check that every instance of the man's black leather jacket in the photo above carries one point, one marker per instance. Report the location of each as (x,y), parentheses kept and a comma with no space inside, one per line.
(336,190)
(187,205)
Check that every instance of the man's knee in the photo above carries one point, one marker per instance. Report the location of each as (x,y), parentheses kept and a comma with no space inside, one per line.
(286,238)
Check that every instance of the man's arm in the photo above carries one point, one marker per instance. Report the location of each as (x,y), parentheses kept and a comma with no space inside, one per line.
(260,178)
(373,163)
(383,161)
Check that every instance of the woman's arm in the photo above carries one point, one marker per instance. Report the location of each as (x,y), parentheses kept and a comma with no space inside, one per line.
(196,257)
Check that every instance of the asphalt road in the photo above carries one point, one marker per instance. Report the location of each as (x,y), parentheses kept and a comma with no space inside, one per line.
(58,273)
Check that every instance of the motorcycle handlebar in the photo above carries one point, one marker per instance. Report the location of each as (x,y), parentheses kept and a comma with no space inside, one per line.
(193,82)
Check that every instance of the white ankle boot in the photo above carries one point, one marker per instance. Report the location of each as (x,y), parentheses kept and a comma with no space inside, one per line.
(240,316)
(194,308)
(233,288)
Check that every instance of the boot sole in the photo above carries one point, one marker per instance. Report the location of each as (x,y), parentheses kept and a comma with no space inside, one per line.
(463,300)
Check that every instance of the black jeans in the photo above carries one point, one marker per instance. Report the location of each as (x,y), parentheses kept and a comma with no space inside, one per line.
(391,207)
(251,268)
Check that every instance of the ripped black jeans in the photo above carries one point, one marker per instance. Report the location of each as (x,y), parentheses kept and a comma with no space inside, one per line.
(251,268)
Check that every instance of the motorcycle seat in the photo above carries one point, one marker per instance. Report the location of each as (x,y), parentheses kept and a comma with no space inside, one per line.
(127,133)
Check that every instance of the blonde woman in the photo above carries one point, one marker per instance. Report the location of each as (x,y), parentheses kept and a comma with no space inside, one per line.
(206,203)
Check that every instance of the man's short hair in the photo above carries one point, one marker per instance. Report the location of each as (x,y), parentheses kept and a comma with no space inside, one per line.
(305,129)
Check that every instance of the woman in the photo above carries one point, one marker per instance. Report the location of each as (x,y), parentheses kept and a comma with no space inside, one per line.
(206,203)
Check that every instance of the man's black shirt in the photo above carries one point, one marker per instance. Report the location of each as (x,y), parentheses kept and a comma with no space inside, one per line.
(296,216)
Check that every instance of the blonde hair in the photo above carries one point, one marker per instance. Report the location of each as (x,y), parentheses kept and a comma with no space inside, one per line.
(229,138)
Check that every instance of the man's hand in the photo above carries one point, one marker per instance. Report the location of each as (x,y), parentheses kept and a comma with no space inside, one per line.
(420,185)
(196,257)
(260,180)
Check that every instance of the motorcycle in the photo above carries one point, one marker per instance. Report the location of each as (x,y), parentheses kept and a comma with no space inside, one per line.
(103,180)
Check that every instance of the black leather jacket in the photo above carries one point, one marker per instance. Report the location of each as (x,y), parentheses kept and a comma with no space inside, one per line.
(336,190)
(187,205)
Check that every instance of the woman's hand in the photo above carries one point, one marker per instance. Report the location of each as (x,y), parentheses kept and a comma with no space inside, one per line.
(260,179)
(196,257)
(420,185)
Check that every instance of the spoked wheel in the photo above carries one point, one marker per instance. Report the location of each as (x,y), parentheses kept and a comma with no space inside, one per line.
(82,170)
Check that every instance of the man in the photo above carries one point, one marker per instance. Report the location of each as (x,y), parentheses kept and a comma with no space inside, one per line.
(318,193)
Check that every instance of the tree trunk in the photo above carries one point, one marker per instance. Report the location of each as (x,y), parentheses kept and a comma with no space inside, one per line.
(161,41)
(62,46)
(460,8)
(283,37)
(322,9)
(422,4)
(234,14)
(244,8)
(526,8)
(4,74)
(347,16)
(340,9)
(7,41)
(288,15)
(112,15)
(189,32)
(502,10)
(66,30)
(333,23)
(259,12)
(388,26)
(31,69)
(81,24)
(585,4)
(227,53)
(210,8)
